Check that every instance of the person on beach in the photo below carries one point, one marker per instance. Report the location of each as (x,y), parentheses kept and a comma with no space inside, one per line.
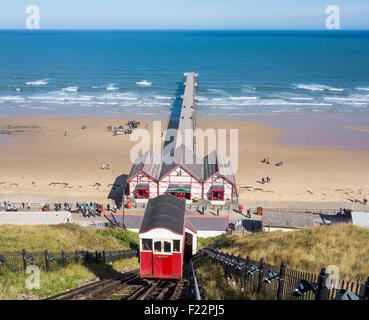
(65,133)
(103,166)
(218,211)
(262,180)
(107,166)
(248,213)
(240,208)
(29,205)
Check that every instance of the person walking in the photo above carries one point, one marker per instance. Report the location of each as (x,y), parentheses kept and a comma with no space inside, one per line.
(218,212)
(29,205)
(240,208)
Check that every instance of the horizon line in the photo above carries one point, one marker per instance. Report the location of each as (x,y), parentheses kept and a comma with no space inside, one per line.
(177,29)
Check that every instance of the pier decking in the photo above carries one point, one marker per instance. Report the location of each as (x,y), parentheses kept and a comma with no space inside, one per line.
(187,121)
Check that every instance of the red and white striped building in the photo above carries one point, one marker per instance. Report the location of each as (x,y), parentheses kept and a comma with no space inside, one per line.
(144,176)
(219,183)
(181,174)
(184,174)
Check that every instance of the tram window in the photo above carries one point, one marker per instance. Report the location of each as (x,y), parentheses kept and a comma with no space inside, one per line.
(157,246)
(167,246)
(176,245)
(146,245)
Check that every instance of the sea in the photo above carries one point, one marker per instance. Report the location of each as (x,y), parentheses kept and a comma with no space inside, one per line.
(114,73)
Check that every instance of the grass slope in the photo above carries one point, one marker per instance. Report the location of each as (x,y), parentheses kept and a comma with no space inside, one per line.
(56,238)
(67,237)
(309,250)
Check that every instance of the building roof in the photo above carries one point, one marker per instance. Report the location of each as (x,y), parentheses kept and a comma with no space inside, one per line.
(128,220)
(206,223)
(287,219)
(215,162)
(165,211)
(360,219)
(331,219)
(149,163)
(184,157)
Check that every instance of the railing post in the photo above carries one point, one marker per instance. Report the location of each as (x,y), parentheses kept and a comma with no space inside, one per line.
(366,292)
(63,258)
(282,276)
(261,275)
(322,293)
(47,261)
(24,259)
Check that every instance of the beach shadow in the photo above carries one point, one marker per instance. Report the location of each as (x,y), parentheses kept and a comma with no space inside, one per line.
(117,189)
(356,201)
(175,114)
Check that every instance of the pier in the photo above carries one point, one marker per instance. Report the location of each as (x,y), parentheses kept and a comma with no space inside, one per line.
(187,120)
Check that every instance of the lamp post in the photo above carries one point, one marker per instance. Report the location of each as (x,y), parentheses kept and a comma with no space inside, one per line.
(124,189)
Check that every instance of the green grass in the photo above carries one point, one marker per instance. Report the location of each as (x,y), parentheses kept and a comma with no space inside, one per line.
(66,237)
(217,286)
(204,242)
(309,250)
(13,285)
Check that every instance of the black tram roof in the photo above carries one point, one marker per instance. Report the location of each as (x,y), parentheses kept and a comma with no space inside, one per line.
(165,211)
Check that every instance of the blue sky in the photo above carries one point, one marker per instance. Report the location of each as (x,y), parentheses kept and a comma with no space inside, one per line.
(189,14)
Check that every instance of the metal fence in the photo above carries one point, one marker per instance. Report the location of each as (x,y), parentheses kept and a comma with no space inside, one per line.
(270,282)
(52,261)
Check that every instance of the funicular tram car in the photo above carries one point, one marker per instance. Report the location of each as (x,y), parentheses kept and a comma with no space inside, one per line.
(165,240)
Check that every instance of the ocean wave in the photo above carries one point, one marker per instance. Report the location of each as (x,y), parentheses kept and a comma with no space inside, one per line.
(37,82)
(362,89)
(317,87)
(299,98)
(360,99)
(258,102)
(111,87)
(70,89)
(144,83)
(243,98)
(12,98)
(163,98)
(215,90)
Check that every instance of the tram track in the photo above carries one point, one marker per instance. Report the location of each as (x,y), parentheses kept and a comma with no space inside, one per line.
(99,290)
(129,286)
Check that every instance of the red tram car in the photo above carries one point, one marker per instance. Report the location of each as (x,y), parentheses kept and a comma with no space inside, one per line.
(165,240)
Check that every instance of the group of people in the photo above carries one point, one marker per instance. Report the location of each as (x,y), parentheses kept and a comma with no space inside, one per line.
(240,210)
(87,209)
(266,160)
(105,166)
(265,180)
(11,206)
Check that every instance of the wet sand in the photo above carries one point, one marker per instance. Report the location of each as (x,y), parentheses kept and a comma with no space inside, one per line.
(38,163)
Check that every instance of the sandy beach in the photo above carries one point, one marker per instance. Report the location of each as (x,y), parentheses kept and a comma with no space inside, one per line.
(39,163)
